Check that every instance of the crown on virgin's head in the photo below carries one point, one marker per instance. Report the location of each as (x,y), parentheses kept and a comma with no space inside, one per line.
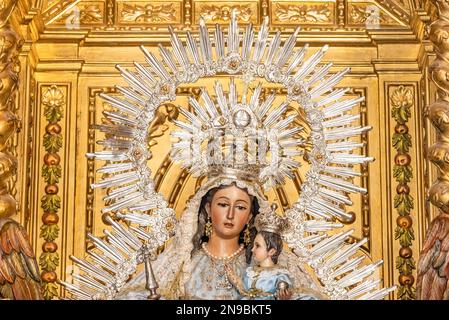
(239,138)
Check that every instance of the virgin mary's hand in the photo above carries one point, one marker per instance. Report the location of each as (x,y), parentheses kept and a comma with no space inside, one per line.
(231,275)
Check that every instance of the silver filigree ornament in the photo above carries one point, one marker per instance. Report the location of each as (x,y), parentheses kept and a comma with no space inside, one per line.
(312,218)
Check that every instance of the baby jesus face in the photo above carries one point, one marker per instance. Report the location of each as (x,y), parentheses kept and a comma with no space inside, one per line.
(261,254)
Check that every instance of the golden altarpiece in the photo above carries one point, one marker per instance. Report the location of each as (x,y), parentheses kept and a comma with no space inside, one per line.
(67,54)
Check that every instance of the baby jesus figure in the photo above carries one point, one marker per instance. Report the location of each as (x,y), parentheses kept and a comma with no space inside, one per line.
(266,280)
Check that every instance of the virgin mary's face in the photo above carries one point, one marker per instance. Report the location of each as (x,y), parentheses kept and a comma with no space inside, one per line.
(230,211)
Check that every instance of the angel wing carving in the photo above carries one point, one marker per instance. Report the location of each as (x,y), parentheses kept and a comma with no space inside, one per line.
(433,265)
(19,272)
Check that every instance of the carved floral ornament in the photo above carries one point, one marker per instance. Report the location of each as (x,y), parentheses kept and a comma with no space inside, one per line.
(54,7)
(53,100)
(84,14)
(402,101)
(402,97)
(132,12)
(154,13)
(362,13)
(222,13)
(305,13)
(92,12)
(53,97)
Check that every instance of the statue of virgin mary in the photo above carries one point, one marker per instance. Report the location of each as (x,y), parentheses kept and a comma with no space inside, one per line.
(188,270)
(244,144)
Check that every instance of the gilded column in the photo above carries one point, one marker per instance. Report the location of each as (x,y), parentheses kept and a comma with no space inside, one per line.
(431,282)
(9,70)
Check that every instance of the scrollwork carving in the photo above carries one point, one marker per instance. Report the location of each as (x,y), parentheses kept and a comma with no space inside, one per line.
(153,13)
(222,13)
(57,8)
(361,13)
(305,13)
(89,13)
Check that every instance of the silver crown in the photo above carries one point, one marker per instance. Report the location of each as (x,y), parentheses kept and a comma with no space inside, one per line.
(230,133)
(271,222)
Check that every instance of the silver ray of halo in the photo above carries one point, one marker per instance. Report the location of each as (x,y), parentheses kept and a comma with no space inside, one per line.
(271,129)
(324,191)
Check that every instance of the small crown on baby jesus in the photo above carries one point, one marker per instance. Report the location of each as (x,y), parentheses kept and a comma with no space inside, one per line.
(271,222)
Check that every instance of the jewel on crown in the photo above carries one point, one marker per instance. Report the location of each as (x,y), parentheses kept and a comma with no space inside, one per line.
(271,222)
(245,140)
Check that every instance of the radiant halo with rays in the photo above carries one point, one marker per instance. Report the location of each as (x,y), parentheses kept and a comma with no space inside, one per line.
(241,133)
(314,235)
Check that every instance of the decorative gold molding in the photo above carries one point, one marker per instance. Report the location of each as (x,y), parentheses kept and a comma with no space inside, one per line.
(220,12)
(341,17)
(365,207)
(127,15)
(402,102)
(404,4)
(303,12)
(90,194)
(142,12)
(56,9)
(89,13)
(360,13)
(53,100)
(188,13)
(160,173)
(180,181)
(110,13)
(264,8)
(400,8)
(29,146)
(166,112)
